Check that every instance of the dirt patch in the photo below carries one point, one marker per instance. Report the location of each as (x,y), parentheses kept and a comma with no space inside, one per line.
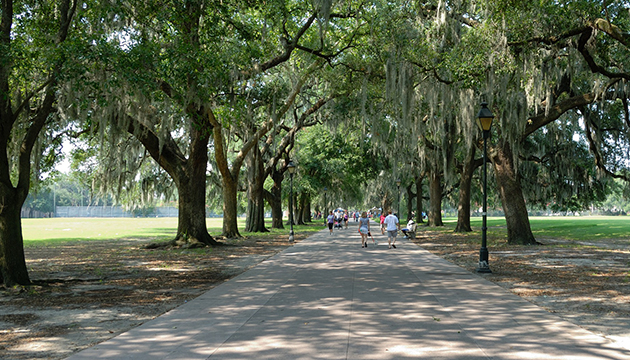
(586,283)
(86,292)
(89,291)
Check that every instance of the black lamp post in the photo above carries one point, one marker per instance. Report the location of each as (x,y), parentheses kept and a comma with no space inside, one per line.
(398,186)
(291,168)
(484,121)
(325,202)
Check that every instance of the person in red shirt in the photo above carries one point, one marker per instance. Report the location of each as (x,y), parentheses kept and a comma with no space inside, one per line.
(382,223)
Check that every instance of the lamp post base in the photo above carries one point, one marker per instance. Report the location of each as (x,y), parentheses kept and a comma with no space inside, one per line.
(291,237)
(483,267)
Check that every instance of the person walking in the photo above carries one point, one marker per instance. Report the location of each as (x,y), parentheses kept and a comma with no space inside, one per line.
(364,229)
(392,224)
(331,221)
(382,223)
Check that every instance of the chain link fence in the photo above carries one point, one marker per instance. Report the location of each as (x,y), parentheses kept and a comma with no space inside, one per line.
(113,211)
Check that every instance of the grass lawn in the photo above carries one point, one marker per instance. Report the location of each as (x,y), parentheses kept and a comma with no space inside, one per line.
(577,228)
(581,228)
(57,230)
(46,231)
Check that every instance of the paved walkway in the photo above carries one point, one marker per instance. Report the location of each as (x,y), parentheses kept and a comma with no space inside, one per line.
(327,298)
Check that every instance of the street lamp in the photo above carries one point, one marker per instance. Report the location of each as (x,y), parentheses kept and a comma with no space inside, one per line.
(291,168)
(484,121)
(398,185)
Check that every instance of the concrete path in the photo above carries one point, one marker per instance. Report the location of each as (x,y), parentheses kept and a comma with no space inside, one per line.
(327,298)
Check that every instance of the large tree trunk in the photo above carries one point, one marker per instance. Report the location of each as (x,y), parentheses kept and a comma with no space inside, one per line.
(191,223)
(509,184)
(301,211)
(191,188)
(410,197)
(13,268)
(230,170)
(274,197)
(386,203)
(463,207)
(419,208)
(255,221)
(189,175)
(307,209)
(230,211)
(435,201)
(293,208)
(298,208)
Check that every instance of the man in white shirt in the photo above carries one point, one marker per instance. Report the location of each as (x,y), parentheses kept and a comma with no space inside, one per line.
(392,224)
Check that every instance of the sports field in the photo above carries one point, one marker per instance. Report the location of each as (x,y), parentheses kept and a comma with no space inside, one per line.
(53,230)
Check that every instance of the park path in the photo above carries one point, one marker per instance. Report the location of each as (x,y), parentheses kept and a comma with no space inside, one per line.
(327,298)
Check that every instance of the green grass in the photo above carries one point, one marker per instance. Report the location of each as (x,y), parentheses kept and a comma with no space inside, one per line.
(60,230)
(577,228)
(582,228)
(64,229)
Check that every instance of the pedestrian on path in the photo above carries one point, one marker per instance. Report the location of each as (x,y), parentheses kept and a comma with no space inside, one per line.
(392,224)
(331,221)
(382,223)
(364,229)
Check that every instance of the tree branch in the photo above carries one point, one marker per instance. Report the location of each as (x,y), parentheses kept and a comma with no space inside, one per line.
(168,155)
(219,146)
(584,38)
(46,107)
(536,122)
(36,126)
(28,97)
(612,30)
(289,46)
(288,139)
(329,57)
(433,71)
(626,112)
(550,40)
(599,161)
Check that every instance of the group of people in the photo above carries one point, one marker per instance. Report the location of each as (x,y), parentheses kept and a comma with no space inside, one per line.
(336,220)
(388,223)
